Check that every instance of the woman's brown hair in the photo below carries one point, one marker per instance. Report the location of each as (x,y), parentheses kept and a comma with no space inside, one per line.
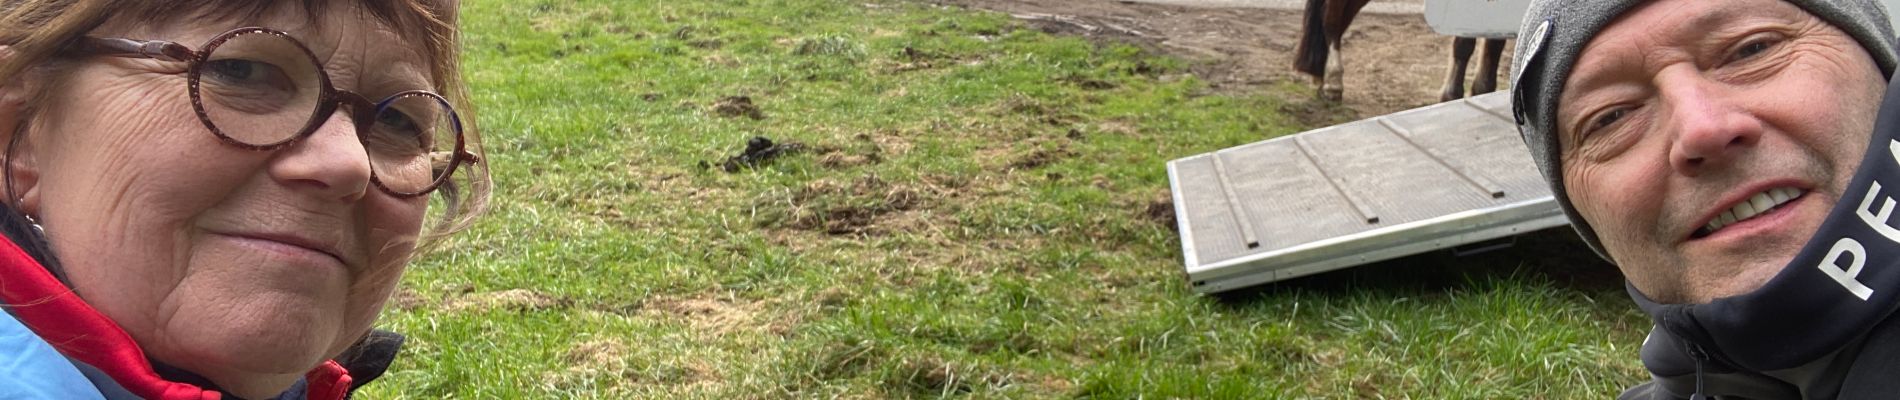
(35,31)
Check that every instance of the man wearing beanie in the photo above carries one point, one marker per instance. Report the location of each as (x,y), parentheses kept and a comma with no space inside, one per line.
(1733,158)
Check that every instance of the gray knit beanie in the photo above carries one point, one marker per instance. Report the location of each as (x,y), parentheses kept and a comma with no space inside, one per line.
(1554,33)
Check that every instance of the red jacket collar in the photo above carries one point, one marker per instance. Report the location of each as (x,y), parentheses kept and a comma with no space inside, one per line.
(58,315)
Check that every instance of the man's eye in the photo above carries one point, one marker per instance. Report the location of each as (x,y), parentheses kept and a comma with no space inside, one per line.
(1751,49)
(1605,120)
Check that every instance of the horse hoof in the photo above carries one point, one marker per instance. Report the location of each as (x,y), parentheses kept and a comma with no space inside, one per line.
(1332,94)
(1449,96)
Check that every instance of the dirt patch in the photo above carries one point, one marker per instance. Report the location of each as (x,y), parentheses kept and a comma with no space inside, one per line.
(405,299)
(737,106)
(1118,127)
(890,143)
(615,358)
(854,208)
(1315,112)
(1393,61)
(865,149)
(598,355)
(1041,157)
(841,160)
(1038,110)
(507,300)
(708,314)
(915,59)
(1161,211)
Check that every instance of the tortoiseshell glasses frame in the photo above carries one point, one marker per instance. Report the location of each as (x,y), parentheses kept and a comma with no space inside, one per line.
(328,100)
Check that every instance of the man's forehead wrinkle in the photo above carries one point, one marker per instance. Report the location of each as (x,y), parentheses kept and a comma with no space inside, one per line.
(1718,16)
(1603,60)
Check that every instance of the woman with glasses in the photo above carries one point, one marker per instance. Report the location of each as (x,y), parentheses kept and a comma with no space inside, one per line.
(214,198)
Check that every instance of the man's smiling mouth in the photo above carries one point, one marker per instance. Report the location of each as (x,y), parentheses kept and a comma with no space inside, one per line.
(1758,204)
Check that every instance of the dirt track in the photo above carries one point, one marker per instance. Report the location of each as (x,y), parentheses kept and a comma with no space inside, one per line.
(1393,60)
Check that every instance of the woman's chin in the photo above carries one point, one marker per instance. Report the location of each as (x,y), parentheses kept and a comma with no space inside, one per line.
(253,315)
(250,340)
(253,358)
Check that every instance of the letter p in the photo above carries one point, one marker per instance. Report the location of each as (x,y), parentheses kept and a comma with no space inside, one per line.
(1846,277)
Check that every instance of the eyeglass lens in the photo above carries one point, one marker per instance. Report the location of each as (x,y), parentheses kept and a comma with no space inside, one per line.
(263,89)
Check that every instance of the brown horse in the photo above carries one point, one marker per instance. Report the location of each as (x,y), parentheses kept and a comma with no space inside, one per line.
(1318,52)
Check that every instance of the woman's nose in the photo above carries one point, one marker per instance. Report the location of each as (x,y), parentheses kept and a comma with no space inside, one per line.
(1710,128)
(329,163)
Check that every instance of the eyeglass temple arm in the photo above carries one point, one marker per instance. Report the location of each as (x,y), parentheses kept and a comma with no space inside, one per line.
(444,158)
(117,47)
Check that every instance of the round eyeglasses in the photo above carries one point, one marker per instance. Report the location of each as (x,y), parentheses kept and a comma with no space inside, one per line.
(261,89)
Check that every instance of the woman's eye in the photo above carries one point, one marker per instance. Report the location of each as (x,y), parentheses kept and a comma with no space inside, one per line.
(236,70)
(249,73)
(397,121)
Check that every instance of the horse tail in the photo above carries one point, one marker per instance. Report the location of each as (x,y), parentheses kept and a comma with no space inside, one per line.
(1311,52)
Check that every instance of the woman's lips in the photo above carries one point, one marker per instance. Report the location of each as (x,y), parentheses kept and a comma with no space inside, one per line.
(292,244)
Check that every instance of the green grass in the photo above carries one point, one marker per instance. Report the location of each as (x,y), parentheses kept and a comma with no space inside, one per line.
(967,219)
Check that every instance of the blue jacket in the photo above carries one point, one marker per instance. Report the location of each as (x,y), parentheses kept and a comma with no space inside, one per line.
(34,370)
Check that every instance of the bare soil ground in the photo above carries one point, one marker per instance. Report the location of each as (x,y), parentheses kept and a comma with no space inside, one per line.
(1393,60)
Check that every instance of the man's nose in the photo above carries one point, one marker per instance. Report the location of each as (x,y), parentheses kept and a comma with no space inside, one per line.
(1710,127)
(330,163)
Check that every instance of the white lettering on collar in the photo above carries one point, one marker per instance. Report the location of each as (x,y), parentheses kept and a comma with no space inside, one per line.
(1832,267)
(1877,219)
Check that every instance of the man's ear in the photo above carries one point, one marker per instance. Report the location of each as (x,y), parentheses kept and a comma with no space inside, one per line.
(16,150)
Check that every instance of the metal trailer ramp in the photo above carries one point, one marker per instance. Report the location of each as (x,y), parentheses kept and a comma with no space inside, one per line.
(1400,184)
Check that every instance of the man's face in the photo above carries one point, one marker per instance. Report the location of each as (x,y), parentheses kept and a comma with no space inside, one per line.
(1707,140)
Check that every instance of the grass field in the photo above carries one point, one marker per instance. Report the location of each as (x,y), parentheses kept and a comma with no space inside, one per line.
(971,212)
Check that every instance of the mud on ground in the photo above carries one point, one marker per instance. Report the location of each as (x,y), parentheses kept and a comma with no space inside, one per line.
(1393,61)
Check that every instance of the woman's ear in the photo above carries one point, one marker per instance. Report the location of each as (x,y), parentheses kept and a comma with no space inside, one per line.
(16,150)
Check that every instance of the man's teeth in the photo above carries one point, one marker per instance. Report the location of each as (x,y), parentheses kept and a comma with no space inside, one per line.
(1760,203)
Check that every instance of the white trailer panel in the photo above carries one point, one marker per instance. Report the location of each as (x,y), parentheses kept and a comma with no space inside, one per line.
(1430,178)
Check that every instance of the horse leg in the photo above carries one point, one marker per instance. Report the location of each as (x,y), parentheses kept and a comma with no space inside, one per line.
(1461,48)
(1339,16)
(1488,67)
(1319,85)
(1335,86)
(1311,52)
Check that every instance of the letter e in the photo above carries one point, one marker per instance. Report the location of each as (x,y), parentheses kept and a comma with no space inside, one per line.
(1878,218)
